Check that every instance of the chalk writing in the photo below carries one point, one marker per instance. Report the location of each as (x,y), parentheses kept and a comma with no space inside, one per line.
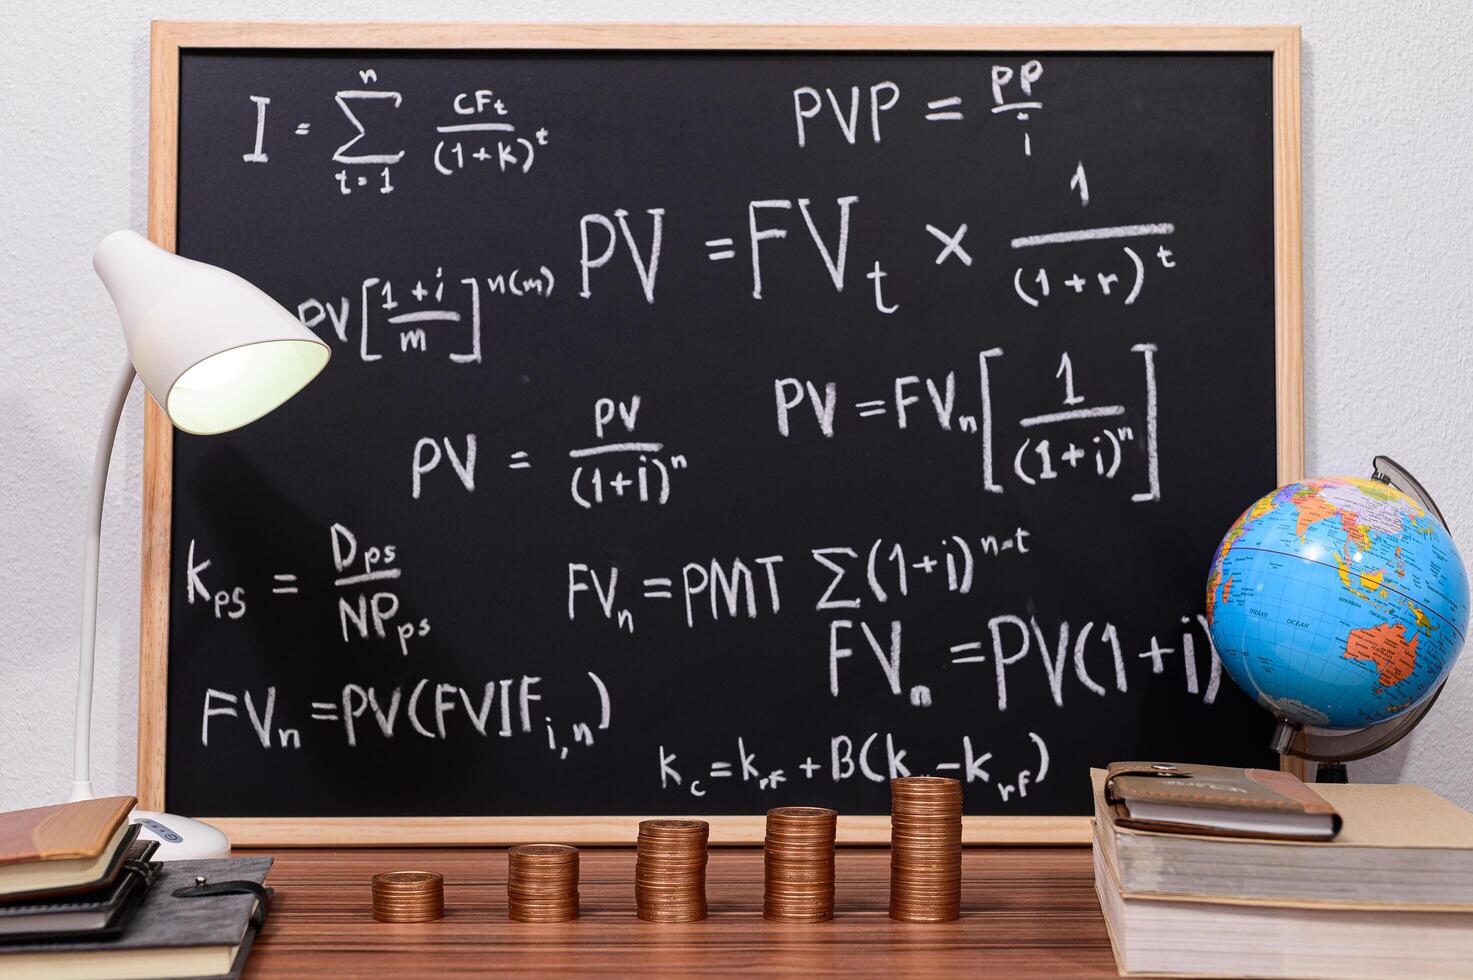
(701,437)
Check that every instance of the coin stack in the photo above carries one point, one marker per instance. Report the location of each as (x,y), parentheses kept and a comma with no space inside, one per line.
(925,849)
(670,870)
(798,864)
(542,883)
(408,896)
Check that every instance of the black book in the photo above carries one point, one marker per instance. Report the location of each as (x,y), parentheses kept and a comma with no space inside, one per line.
(206,935)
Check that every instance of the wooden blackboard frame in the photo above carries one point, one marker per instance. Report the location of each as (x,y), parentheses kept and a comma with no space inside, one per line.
(171,39)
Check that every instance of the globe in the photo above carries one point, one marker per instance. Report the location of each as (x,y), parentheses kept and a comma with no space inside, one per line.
(1337,603)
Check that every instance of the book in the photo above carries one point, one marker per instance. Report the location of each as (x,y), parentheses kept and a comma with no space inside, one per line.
(1176,796)
(1152,936)
(1399,846)
(168,936)
(93,913)
(64,847)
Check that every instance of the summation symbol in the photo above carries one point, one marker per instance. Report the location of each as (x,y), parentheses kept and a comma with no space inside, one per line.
(343,98)
(362,109)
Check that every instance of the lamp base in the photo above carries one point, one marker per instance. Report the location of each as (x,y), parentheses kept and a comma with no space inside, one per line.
(180,838)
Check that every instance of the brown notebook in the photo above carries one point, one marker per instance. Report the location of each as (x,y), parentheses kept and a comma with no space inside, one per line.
(1194,799)
(68,846)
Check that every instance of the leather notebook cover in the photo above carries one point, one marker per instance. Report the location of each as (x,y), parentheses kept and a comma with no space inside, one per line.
(167,929)
(1220,787)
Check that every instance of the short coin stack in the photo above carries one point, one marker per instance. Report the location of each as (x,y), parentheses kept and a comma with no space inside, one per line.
(798,864)
(542,883)
(925,849)
(670,870)
(408,896)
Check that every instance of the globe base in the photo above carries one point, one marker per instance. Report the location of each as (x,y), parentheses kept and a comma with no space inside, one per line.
(1283,740)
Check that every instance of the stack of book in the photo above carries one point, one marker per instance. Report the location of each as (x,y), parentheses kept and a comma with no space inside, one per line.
(1227,886)
(80,898)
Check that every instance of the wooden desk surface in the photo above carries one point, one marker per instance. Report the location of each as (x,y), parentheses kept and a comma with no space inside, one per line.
(1025,912)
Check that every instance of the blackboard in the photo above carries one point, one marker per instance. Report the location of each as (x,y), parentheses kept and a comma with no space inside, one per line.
(709,430)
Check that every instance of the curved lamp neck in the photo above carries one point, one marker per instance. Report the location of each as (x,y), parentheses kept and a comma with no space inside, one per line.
(82,735)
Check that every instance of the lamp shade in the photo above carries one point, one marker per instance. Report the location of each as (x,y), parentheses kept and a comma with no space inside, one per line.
(212,349)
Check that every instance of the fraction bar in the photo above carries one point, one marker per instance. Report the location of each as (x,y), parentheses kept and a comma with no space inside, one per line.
(617,447)
(425,315)
(1103,412)
(1093,234)
(477,128)
(373,576)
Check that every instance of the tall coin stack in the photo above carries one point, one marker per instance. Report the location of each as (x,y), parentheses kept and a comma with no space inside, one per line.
(408,896)
(925,849)
(798,864)
(670,870)
(542,883)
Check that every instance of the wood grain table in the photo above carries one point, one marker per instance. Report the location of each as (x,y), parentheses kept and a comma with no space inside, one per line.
(1026,912)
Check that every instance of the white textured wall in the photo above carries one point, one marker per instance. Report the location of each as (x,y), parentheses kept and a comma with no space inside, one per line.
(1388,261)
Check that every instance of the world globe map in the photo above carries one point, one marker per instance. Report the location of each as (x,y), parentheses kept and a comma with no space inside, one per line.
(1337,603)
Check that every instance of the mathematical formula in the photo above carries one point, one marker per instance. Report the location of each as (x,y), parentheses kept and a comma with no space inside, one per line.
(693,496)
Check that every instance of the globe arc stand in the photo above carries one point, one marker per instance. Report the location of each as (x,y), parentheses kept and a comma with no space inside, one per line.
(1333,749)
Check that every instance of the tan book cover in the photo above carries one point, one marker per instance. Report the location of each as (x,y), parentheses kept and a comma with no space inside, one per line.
(62,831)
(64,846)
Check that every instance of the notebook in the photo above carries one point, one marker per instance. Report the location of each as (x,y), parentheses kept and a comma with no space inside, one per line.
(1189,798)
(65,847)
(89,914)
(207,936)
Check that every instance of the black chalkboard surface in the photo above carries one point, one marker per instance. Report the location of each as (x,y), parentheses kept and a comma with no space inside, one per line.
(707,431)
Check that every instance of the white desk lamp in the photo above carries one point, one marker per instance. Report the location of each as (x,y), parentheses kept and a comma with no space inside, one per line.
(216,353)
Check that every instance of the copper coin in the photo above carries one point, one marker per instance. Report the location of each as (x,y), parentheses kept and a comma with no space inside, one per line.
(408,896)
